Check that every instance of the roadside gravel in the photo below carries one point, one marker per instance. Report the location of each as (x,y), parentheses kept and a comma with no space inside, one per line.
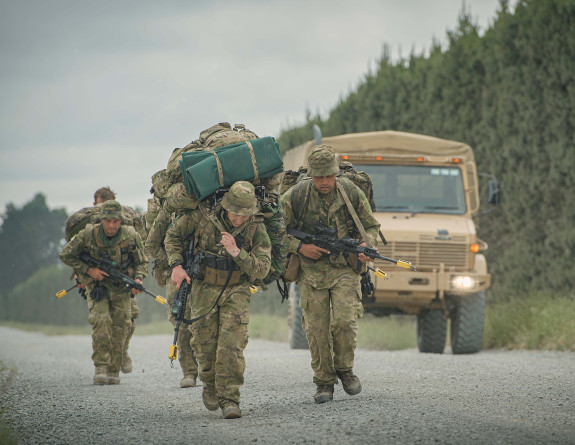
(505,397)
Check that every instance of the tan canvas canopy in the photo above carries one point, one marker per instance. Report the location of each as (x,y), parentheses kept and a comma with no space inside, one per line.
(392,142)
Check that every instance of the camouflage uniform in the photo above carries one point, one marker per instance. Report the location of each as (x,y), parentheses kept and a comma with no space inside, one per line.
(220,338)
(330,293)
(130,217)
(155,249)
(110,317)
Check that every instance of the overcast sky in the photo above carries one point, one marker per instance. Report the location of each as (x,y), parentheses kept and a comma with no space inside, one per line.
(96,93)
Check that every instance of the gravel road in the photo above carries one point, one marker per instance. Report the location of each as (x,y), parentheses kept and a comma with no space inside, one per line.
(507,397)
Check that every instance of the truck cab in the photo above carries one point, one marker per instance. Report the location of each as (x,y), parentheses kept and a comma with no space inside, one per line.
(426,195)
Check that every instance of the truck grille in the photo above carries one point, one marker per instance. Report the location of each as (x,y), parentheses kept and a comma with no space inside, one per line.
(426,255)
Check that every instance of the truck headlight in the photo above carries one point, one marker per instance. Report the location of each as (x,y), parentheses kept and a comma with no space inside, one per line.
(462,282)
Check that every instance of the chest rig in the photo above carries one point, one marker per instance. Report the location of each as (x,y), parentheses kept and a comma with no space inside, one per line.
(121,253)
(215,263)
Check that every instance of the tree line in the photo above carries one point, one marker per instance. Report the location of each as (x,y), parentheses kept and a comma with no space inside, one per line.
(510,94)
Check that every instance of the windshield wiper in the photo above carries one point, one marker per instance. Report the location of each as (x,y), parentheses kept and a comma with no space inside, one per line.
(441,208)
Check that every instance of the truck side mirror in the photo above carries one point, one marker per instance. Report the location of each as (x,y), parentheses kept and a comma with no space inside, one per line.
(493,192)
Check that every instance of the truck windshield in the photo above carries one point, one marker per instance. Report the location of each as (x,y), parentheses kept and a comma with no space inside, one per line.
(416,189)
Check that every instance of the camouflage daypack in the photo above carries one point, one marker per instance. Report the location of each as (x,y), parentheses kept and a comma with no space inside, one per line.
(91,215)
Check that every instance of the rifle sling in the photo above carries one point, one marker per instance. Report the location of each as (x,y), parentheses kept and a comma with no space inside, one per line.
(353,213)
(193,320)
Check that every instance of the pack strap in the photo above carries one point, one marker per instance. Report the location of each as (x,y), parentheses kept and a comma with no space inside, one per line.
(253,156)
(353,213)
(219,165)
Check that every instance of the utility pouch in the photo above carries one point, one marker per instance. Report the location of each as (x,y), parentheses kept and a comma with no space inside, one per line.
(215,270)
(292,267)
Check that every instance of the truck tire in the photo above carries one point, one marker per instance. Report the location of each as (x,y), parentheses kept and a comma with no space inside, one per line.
(431,331)
(296,336)
(467,322)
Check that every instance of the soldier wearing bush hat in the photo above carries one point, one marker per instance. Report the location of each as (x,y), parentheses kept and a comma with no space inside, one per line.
(330,292)
(235,250)
(109,303)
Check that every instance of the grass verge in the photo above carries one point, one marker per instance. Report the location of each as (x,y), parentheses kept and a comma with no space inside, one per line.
(534,321)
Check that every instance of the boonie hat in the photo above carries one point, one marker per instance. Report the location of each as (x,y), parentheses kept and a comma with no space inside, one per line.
(240,199)
(322,161)
(111,210)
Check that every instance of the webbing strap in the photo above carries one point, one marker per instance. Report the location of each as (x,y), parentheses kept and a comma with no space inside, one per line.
(219,165)
(356,220)
(253,155)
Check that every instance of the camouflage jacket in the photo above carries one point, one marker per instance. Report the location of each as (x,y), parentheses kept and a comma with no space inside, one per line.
(207,224)
(333,212)
(128,250)
(91,215)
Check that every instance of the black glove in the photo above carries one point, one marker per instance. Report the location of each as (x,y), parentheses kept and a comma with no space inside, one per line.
(98,293)
(367,286)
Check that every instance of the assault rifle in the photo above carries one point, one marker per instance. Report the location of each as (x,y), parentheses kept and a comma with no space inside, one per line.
(192,267)
(81,291)
(325,237)
(113,271)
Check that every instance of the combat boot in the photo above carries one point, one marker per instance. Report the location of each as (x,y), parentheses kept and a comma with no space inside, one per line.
(101,375)
(210,398)
(189,381)
(126,363)
(113,377)
(323,394)
(350,382)
(231,410)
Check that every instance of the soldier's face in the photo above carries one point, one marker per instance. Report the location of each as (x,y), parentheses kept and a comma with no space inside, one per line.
(111,226)
(237,220)
(324,184)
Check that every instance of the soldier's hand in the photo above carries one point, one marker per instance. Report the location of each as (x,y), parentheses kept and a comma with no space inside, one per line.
(97,274)
(136,291)
(229,243)
(362,257)
(179,275)
(312,251)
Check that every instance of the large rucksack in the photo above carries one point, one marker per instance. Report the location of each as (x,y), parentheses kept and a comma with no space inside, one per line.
(169,190)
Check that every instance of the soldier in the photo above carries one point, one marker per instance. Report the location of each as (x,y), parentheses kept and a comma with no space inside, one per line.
(162,271)
(109,302)
(235,249)
(77,221)
(330,292)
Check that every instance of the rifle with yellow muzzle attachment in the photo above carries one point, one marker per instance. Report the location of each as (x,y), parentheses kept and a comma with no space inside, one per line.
(325,237)
(116,276)
(81,291)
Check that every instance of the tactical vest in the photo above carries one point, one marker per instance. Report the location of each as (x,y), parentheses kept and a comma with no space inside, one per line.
(216,266)
(122,252)
(300,194)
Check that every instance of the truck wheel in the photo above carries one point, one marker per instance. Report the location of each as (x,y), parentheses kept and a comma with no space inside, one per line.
(296,336)
(431,331)
(467,324)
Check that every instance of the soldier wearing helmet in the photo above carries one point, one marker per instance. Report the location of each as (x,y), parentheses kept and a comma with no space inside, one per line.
(235,250)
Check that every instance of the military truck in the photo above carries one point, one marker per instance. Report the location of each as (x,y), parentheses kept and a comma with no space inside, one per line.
(426,195)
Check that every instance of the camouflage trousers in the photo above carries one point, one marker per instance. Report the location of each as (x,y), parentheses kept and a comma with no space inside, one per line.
(220,338)
(135,312)
(186,355)
(111,321)
(329,321)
